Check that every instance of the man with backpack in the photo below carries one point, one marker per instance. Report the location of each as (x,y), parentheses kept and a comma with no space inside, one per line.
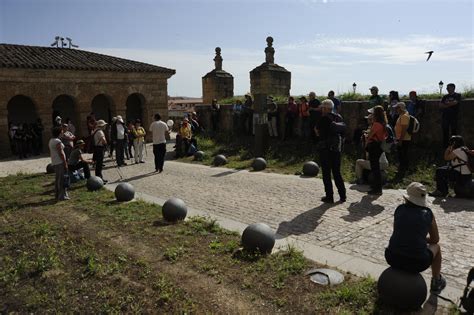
(403,138)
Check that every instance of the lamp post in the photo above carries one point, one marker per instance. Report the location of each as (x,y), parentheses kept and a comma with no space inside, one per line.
(440,84)
(354,86)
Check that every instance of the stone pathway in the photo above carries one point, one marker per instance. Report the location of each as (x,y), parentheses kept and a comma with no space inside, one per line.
(360,227)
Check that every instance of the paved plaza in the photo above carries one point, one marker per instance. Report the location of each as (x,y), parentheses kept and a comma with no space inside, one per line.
(359,228)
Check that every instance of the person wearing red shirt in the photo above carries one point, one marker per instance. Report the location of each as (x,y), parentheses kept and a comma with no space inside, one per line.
(377,134)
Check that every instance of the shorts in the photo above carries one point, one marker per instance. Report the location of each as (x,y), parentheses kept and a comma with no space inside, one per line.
(409,263)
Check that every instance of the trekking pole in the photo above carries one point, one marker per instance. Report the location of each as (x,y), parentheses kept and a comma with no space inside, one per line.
(119,171)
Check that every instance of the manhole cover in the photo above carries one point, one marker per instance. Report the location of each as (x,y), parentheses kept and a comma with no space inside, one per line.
(325,276)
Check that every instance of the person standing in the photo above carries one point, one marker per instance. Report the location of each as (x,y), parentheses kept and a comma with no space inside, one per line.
(139,134)
(272,117)
(377,134)
(291,116)
(416,106)
(215,110)
(117,135)
(330,129)
(100,144)
(248,114)
(336,101)
(449,106)
(403,138)
(59,163)
(303,114)
(67,137)
(314,114)
(159,131)
(375,98)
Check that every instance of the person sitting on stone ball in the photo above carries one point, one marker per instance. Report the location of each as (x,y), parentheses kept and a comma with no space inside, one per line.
(76,160)
(414,244)
(456,171)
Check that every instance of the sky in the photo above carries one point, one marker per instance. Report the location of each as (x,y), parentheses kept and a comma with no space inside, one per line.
(325,44)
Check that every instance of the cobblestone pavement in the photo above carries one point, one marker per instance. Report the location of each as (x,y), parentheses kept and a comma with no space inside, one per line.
(291,205)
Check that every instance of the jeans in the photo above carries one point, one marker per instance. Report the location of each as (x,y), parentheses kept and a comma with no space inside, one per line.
(84,166)
(449,120)
(159,151)
(374,157)
(60,193)
(120,151)
(403,157)
(99,160)
(331,163)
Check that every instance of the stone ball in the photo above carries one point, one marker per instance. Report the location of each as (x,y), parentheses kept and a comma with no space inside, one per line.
(174,209)
(199,156)
(310,169)
(259,164)
(258,236)
(402,290)
(49,168)
(124,192)
(383,174)
(94,183)
(220,160)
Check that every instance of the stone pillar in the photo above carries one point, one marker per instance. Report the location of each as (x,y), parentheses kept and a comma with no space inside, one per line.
(217,84)
(269,78)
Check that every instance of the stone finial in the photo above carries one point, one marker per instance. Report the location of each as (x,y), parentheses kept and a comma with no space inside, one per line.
(269,51)
(218,59)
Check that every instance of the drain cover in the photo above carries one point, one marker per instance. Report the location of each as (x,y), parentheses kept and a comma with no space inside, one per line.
(325,276)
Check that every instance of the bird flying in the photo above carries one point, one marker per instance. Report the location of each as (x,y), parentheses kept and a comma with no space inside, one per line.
(429,54)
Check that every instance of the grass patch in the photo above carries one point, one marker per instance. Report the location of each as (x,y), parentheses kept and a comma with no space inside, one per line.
(92,254)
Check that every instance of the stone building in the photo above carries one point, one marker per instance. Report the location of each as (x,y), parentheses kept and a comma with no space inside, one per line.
(42,82)
(217,84)
(270,78)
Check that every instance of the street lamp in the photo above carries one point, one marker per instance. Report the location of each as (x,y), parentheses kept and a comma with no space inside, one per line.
(440,84)
(354,86)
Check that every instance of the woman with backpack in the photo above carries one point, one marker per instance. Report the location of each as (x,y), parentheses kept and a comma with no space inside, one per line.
(456,171)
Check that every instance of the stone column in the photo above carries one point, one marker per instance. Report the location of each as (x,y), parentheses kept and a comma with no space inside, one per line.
(217,84)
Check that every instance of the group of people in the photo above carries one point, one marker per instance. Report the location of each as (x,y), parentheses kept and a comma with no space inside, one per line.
(26,139)
(67,153)
(186,143)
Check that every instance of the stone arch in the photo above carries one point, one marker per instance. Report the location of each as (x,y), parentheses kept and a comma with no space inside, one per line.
(21,109)
(134,107)
(65,106)
(102,106)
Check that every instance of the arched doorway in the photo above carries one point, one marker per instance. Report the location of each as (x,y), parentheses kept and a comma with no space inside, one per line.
(21,109)
(102,107)
(135,104)
(64,106)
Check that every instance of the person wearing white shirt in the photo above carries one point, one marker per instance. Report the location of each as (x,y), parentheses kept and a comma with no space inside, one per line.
(159,130)
(59,163)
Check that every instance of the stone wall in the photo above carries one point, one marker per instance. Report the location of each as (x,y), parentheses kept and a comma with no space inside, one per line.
(217,85)
(43,86)
(353,112)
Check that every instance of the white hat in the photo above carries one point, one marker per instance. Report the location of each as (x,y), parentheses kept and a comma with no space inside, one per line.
(402,105)
(119,118)
(327,103)
(416,193)
(101,123)
(370,110)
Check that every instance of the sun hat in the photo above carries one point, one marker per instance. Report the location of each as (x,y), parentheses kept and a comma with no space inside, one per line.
(119,118)
(371,110)
(374,88)
(79,142)
(402,105)
(416,193)
(101,123)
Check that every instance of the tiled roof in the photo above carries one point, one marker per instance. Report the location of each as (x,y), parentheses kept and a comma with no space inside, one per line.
(35,57)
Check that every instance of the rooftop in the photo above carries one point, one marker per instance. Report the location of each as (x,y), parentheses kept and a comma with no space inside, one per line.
(36,57)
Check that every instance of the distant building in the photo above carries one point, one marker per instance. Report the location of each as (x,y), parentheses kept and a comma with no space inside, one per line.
(43,82)
(178,106)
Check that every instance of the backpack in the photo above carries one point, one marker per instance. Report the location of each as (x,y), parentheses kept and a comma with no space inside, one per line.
(413,125)
(467,300)
(470,159)
(390,134)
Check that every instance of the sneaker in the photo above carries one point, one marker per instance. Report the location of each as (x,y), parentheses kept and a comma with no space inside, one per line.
(437,193)
(437,285)
(327,199)
(342,199)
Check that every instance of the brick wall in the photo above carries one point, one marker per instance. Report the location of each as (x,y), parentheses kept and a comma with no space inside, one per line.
(43,86)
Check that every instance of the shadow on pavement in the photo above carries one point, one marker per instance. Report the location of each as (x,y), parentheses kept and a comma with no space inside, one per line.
(304,223)
(363,208)
(454,204)
(130,179)
(225,173)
